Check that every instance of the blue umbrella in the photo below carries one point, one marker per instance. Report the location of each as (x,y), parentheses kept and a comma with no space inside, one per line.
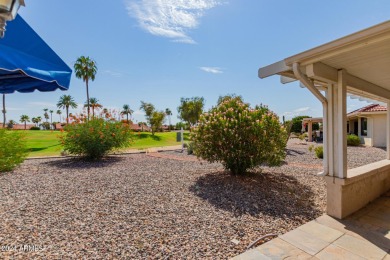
(27,63)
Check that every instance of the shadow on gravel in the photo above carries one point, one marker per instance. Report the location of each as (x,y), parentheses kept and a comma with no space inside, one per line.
(73,163)
(293,152)
(276,195)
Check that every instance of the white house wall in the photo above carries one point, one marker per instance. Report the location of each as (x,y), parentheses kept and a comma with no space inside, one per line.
(379,130)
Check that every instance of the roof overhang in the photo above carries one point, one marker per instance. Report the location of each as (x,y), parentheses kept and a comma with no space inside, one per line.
(312,119)
(365,56)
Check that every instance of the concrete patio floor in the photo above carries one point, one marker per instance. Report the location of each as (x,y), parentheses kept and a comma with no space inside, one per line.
(363,235)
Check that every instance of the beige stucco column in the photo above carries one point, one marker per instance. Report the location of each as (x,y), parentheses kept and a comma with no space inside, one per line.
(310,131)
(388,130)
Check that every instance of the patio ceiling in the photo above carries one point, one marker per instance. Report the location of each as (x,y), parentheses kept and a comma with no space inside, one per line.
(365,56)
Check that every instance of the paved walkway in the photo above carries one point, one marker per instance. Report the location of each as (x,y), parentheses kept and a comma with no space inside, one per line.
(363,235)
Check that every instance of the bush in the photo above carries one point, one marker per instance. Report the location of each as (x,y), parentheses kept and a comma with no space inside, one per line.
(240,137)
(35,128)
(95,138)
(190,148)
(353,140)
(319,150)
(46,125)
(13,149)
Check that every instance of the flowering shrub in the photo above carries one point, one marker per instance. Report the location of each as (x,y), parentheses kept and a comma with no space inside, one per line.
(13,149)
(95,138)
(240,137)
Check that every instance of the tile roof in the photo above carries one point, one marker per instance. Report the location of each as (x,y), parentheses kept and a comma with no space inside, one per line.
(370,108)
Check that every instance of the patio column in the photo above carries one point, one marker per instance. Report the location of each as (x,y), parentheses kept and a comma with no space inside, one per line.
(328,132)
(359,127)
(388,130)
(342,125)
(310,131)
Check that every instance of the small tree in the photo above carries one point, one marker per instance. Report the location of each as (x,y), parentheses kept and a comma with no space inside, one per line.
(24,119)
(297,124)
(127,111)
(66,101)
(157,120)
(190,109)
(93,103)
(240,137)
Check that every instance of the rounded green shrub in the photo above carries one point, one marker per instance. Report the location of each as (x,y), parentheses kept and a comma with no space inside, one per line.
(13,149)
(239,136)
(353,140)
(319,150)
(35,128)
(95,138)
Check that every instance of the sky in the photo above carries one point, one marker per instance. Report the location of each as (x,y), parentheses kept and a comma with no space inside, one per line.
(158,51)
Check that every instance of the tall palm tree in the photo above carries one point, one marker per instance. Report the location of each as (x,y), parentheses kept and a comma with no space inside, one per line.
(65,102)
(46,115)
(168,112)
(85,69)
(4,111)
(59,112)
(24,119)
(51,116)
(127,111)
(93,103)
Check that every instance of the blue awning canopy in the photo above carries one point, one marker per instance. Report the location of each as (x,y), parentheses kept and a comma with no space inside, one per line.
(27,63)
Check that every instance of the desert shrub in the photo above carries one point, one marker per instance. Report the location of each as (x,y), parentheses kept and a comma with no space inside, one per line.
(240,137)
(35,128)
(353,140)
(311,147)
(13,149)
(95,138)
(302,136)
(190,148)
(319,150)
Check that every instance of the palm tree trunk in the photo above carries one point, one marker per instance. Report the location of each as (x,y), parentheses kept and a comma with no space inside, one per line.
(25,125)
(67,115)
(127,118)
(93,112)
(4,118)
(86,83)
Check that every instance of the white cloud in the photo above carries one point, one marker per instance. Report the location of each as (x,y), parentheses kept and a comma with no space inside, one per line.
(298,112)
(42,104)
(113,73)
(170,18)
(214,70)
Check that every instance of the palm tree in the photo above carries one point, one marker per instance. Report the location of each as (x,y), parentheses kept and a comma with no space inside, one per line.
(39,119)
(4,111)
(24,119)
(34,120)
(127,111)
(85,69)
(59,112)
(93,103)
(168,112)
(46,115)
(66,101)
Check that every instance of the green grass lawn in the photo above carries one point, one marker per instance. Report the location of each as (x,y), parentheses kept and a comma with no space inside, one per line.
(46,143)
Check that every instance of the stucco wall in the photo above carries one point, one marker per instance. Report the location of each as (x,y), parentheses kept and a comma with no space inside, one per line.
(379,130)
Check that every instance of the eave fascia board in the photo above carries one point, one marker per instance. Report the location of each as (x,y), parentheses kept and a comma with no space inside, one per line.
(350,42)
(273,69)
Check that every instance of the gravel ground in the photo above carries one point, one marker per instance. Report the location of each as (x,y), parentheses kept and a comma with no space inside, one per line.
(144,206)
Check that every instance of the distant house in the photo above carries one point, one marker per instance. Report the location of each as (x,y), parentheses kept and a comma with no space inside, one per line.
(21,126)
(369,123)
(139,128)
